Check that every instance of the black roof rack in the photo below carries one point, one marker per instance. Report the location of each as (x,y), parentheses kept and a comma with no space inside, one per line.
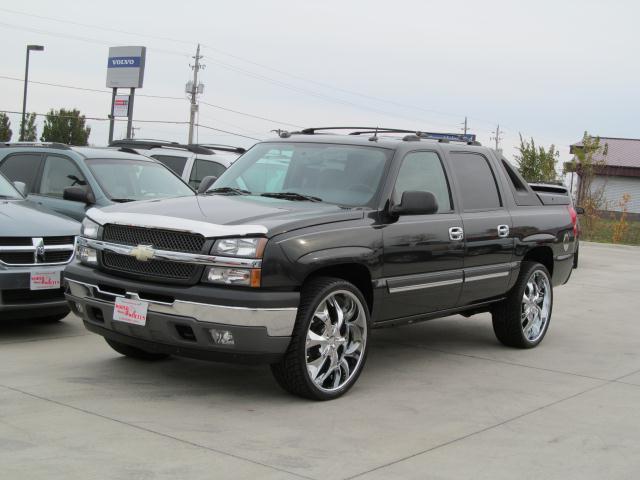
(222,148)
(145,144)
(468,138)
(61,146)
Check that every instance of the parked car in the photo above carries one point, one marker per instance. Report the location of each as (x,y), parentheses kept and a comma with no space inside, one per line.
(69,179)
(191,162)
(35,246)
(312,239)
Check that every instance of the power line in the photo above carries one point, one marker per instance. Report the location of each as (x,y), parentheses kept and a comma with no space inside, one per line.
(250,115)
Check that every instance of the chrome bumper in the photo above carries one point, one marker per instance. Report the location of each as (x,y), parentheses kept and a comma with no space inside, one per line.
(278,322)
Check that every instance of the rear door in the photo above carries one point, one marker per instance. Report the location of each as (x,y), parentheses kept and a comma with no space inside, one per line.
(422,263)
(176,163)
(489,245)
(58,173)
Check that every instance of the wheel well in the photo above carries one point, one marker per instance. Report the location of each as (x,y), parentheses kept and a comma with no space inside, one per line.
(355,273)
(543,255)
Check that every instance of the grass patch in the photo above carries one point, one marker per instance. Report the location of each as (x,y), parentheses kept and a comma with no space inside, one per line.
(603,232)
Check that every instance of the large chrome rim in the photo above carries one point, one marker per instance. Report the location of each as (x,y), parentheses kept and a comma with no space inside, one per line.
(336,340)
(536,306)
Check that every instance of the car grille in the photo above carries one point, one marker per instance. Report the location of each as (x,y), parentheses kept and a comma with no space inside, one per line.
(12,255)
(26,296)
(155,268)
(160,239)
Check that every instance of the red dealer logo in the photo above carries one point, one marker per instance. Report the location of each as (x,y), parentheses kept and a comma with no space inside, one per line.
(129,312)
(45,281)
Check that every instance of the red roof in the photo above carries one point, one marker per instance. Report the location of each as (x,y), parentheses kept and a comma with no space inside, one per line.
(621,152)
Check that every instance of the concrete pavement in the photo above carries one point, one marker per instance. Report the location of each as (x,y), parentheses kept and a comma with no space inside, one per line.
(439,400)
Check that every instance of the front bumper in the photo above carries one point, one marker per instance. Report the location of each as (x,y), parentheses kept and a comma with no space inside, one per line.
(18,302)
(261,322)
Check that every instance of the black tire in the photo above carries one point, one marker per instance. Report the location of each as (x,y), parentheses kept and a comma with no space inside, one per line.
(575,256)
(291,372)
(507,315)
(133,352)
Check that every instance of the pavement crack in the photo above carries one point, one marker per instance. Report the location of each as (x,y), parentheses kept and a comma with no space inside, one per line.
(151,431)
(478,432)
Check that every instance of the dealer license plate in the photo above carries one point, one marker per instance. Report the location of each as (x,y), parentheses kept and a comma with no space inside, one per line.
(130,311)
(44,280)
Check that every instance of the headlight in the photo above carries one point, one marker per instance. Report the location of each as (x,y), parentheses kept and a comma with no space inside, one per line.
(89,228)
(246,277)
(240,247)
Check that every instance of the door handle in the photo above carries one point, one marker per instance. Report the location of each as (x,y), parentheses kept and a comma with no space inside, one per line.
(503,231)
(456,234)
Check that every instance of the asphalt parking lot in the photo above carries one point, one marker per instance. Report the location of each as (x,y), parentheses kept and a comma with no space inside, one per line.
(437,400)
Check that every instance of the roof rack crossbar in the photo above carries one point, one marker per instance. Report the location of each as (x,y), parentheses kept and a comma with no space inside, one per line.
(222,148)
(149,144)
(59,145)
(468,138)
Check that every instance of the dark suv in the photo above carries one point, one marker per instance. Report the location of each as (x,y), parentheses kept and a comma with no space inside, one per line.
(309,241)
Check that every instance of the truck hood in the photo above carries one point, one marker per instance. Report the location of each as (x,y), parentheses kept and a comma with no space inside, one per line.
(222,215)
(21,218)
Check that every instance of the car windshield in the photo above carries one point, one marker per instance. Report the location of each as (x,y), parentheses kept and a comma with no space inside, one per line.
(7,190)
(340,174)
(125,180)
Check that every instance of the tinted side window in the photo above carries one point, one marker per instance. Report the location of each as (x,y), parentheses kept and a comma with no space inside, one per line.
(22,168)
(59,173)
(476,181)
(204,168)
(174,163)
(423,171)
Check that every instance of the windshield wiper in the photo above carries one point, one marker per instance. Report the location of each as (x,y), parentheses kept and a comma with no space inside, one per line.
(123,200)
(228,190)
(291,196)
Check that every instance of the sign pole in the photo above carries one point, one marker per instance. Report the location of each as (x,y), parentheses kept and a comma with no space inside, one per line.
(130,119)
(111,118)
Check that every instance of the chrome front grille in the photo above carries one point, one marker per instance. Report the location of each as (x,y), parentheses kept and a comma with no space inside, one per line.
(27,251)
(154,268)
(170,240)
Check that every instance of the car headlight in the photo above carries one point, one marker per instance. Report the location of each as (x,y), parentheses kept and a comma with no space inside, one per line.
(89,228)
(244,277)
(240,247)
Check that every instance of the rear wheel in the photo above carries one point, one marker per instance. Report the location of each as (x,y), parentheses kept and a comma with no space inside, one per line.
(329,344)
(522,319)
(133,352)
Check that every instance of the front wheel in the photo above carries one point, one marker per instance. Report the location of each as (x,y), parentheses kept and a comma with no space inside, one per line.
(522,319)
(329,344)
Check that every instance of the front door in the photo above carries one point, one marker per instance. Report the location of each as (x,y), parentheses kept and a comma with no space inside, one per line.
(422,263)
(489,245)
(58,173)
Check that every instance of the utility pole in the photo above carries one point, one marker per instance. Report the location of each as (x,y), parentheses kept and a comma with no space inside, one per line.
(30,48)
(497,137)
(465,127)
(194,89)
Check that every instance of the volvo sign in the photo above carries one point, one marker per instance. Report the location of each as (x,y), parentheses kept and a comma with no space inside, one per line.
(125,67)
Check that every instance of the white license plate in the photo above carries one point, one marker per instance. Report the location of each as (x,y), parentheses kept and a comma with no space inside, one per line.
(44,280)
(130,311)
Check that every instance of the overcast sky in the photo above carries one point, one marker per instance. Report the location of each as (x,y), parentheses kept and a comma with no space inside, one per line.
(547,69)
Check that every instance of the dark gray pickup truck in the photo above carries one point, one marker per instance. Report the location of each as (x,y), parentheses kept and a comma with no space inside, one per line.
(312,239)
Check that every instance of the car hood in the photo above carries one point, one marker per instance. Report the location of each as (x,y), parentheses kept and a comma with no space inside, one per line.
(21,218)
(222,215)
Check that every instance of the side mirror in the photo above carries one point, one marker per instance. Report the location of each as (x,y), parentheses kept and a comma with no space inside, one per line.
(206,183)
(21,187)
(416,203)
(78,194)
(580,210)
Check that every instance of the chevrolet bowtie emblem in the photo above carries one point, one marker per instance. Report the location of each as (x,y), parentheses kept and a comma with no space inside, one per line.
(143,253)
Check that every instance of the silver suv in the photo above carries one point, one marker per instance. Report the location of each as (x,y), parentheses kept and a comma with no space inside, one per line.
(192,162)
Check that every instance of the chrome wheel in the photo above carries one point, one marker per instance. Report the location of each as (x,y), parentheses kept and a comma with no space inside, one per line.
(536,306)
(336,340)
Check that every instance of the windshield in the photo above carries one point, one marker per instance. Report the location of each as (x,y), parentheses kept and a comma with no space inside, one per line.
(124,180)
(7,191)
(341,174)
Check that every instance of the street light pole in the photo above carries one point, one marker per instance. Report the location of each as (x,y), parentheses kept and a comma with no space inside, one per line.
(37,48)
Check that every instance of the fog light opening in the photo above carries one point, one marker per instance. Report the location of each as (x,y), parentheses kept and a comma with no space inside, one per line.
(222,337)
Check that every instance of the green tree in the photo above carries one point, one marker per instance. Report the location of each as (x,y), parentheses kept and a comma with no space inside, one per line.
(535,163)
(65,126)
(30,133)
(5,128)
